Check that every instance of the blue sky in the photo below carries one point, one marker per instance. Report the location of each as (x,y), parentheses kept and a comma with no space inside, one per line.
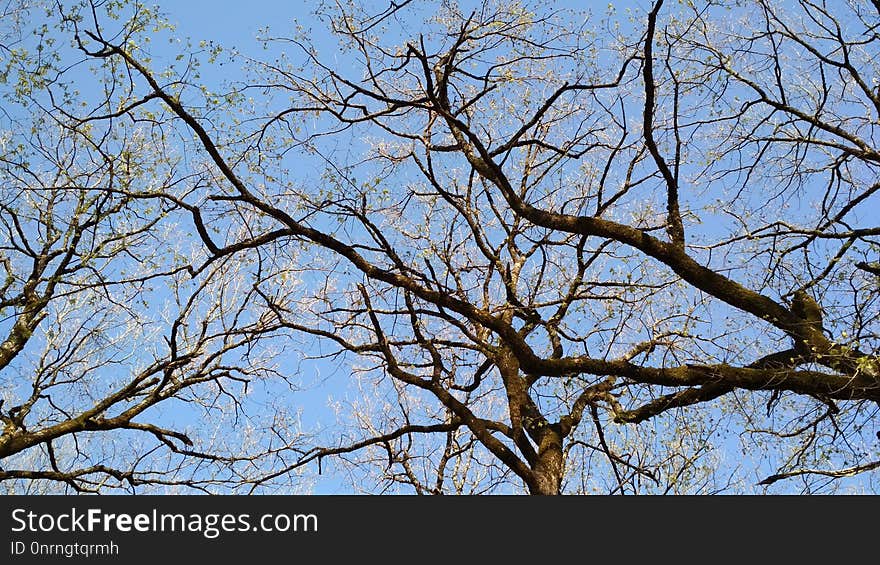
(235,25)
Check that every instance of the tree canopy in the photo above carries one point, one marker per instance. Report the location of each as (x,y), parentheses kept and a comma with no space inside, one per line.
(523,248)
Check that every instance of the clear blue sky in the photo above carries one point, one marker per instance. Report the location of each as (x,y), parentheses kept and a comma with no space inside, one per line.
(235,25)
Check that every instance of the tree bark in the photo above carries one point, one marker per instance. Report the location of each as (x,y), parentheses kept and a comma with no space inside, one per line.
(550,466)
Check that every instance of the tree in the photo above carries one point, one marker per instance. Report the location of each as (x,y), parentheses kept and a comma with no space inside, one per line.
(103,316)
(558,252)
